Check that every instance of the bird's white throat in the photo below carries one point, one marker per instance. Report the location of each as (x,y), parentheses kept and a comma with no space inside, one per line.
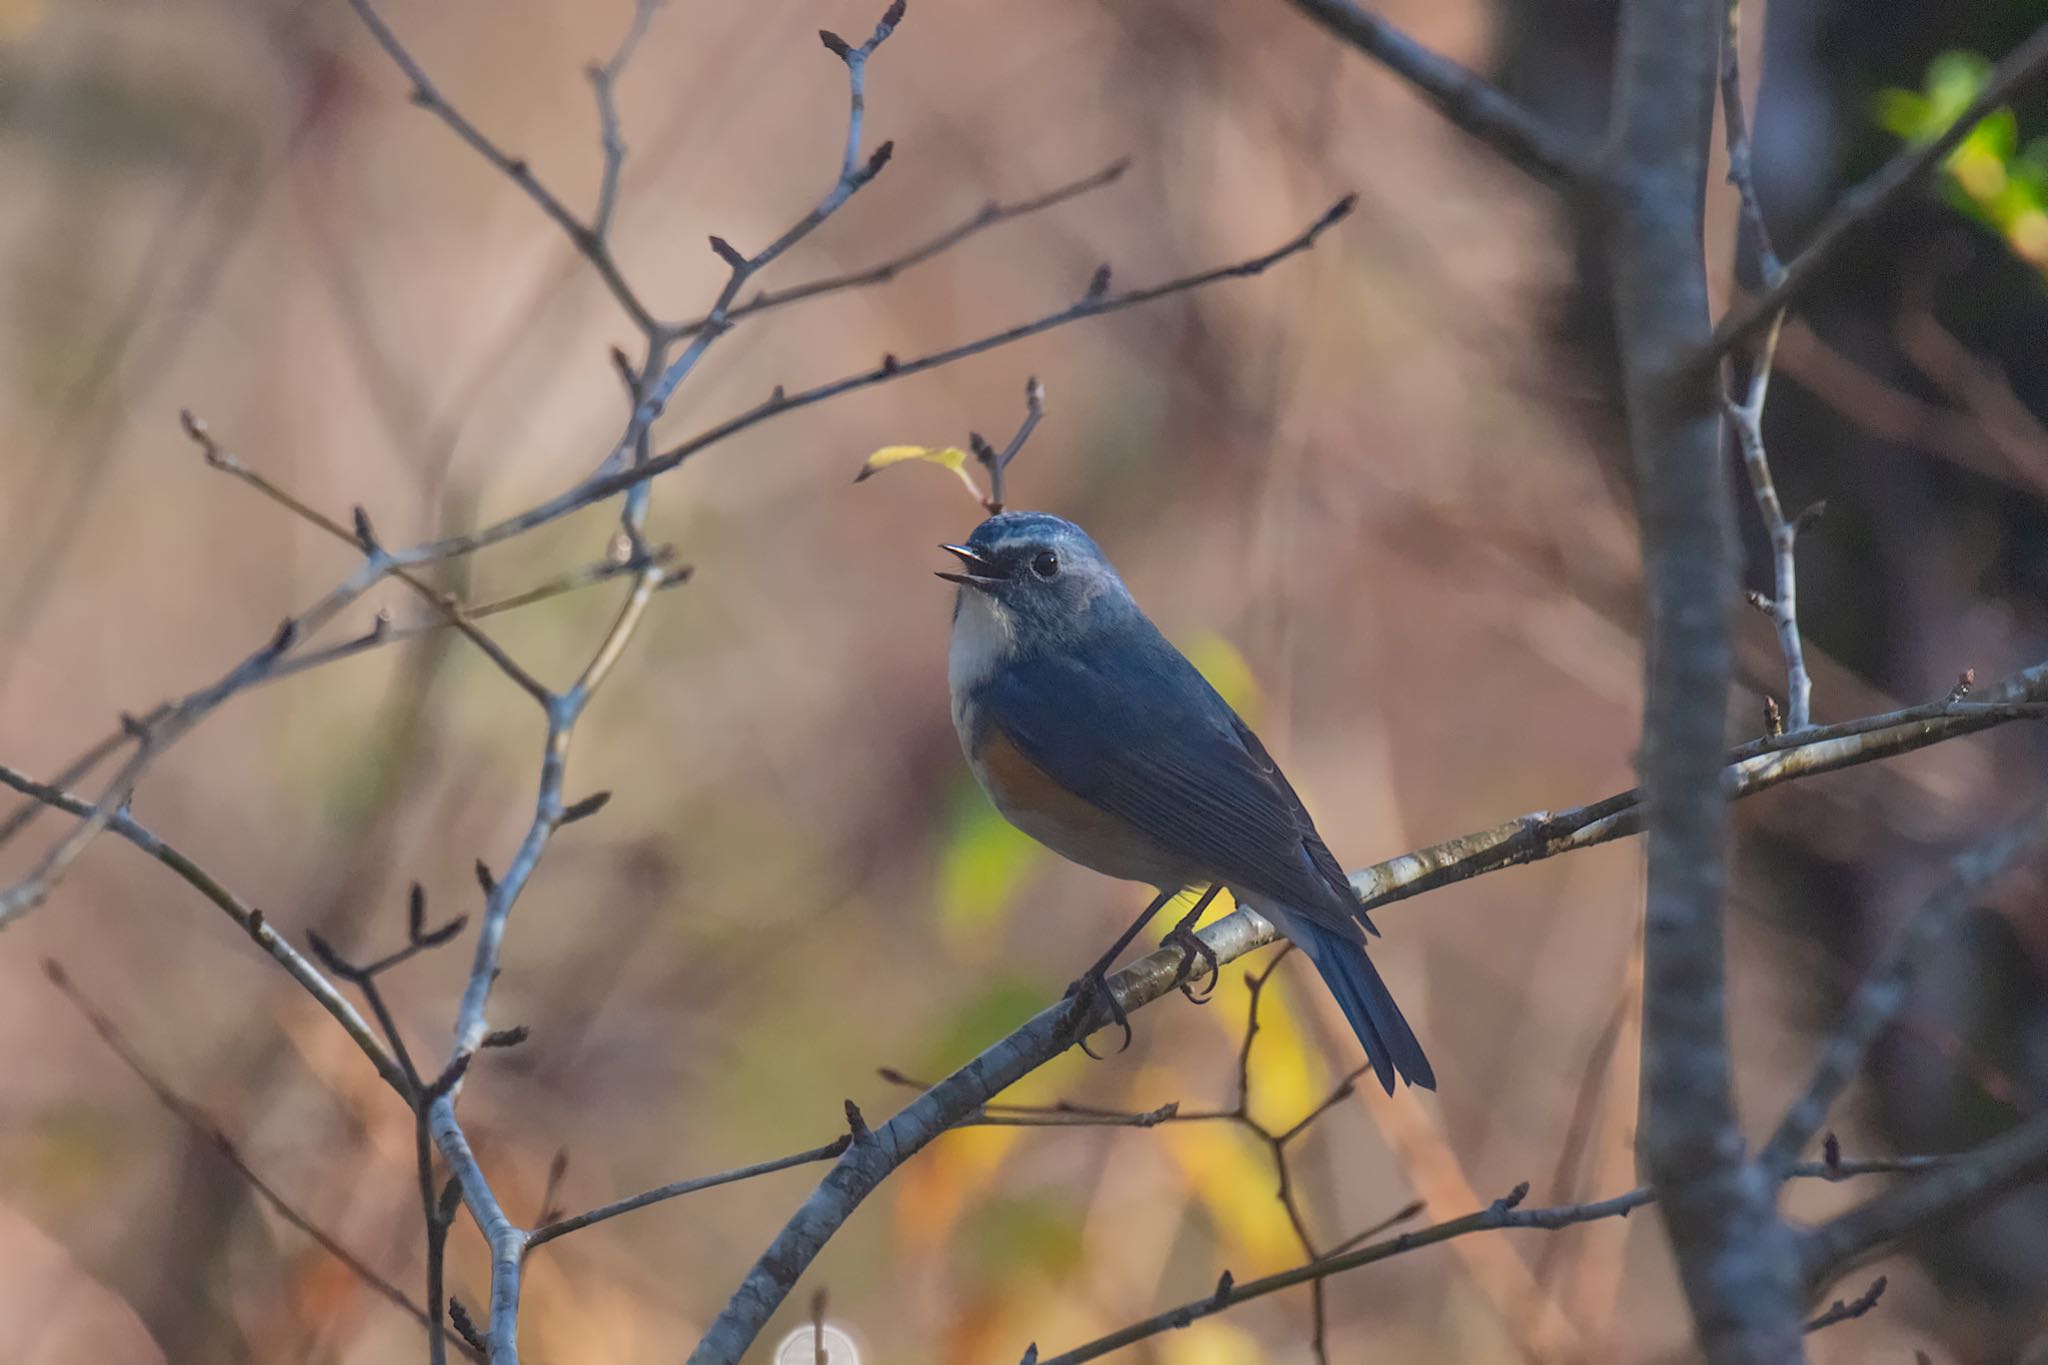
(984,636)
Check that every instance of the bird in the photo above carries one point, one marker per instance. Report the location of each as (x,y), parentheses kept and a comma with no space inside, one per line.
(1093,734)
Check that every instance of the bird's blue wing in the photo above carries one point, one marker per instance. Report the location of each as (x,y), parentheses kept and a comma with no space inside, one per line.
(1135,730)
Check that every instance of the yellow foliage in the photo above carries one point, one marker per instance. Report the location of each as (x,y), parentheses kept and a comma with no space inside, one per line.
(933,1190)
(1230,1173)
(1211,1341)
(1290,1075)
(946,457)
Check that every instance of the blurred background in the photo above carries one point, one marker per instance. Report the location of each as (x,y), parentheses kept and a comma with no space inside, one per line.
(1377,492)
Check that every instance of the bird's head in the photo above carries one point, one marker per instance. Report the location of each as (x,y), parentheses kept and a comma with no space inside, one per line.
(1036,579)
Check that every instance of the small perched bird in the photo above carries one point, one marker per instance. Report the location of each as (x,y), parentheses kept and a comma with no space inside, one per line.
(1095,736)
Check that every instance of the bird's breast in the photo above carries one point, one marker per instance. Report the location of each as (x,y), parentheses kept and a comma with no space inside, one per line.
(1069,825)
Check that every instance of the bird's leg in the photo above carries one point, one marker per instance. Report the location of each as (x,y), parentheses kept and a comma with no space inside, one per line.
(1094,983)
(1193,950)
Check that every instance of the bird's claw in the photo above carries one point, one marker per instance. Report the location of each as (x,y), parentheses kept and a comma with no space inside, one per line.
(1086,993)
(1193,950)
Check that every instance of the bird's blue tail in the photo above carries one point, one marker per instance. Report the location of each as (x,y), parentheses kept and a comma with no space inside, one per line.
(1390,1044)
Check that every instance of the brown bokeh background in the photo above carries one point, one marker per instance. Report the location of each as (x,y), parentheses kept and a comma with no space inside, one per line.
(1382,477)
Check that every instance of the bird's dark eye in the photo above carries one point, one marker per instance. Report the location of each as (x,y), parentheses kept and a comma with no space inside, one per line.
(1046,565)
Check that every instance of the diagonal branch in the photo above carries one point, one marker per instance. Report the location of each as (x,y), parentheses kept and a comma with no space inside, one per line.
(1467,99)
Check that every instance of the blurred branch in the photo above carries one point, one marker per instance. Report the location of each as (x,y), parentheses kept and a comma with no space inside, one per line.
(604,81)
(1734,1253)
(588,240)
(1466,99)
(1843,1310)
(195,1119)
(1870,200)
(1504,1213)
(1884,990)
(1961,1185)
(1746,415)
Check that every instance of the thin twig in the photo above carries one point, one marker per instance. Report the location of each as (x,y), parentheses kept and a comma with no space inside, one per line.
(1746,415)
(1524,140)
(997,462)
(562,1227)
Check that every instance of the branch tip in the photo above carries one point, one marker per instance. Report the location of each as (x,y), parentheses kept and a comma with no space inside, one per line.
(584,809)
(727,252)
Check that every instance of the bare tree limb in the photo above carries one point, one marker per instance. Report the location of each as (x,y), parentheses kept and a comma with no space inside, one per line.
(1468,100)
(1735,1256)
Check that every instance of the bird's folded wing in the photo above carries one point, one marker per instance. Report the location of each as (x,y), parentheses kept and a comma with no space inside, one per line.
(1142,735)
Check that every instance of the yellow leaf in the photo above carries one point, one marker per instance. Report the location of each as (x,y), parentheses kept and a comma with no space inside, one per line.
(1226,669)
(946,457)
(1290,1075)
(1230,1173)
(1210,1342)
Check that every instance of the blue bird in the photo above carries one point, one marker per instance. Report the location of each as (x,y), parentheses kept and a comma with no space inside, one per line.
(1095,736)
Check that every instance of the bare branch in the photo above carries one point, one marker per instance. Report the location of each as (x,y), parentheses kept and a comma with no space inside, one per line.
(1461,96)
(1734,1254)
(562,1227)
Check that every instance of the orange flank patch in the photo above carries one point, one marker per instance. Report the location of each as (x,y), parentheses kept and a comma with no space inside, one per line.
(1039,806)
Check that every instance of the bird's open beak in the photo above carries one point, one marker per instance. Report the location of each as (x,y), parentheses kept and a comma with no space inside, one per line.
(980,572)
